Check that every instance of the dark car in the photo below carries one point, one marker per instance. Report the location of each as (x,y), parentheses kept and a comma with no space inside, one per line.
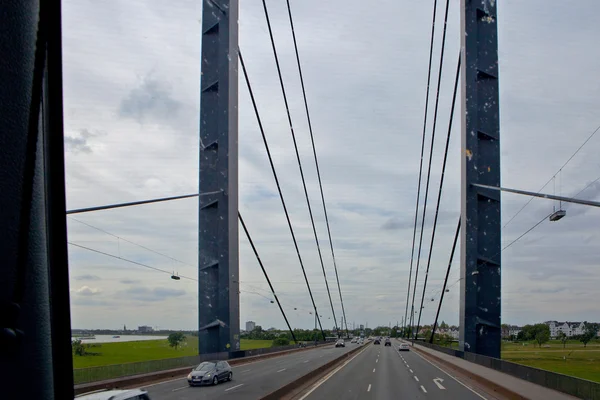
(376,341)
(210,373)
(388,342)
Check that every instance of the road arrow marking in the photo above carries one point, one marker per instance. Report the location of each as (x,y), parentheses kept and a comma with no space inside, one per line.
(438,382)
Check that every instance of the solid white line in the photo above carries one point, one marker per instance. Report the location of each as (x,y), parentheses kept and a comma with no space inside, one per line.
(411,371)
(423,389)
(373,369)
(185,387)
(160,383)
(281,370)
(324,379)
(416,378)
(369,388)
(450,376)
(231,388)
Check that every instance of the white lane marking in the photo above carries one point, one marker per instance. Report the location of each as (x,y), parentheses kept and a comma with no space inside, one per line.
(324,379)
(184,387)
(484,398)
(376,361)
(416,378)
(369,388)
(281,370)
(411,371)
(243,372)
(237,386)
(373,369)
(422,388)
(407,366)
(306,361)
(438,382)
(160,383)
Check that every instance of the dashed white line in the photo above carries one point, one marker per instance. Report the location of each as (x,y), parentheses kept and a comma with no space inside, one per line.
(306,361)
(451,376)
(373,369)
(369,388)
(408,366)
(423,389)
(184,387)
(416,379)
(243,372)
(411,371)
(281,370)
(237,386)
(376,361)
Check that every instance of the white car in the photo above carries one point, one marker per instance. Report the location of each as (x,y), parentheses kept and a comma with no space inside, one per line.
(403,347)
(133,394)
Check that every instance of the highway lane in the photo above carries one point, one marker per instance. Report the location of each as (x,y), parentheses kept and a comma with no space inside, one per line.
(253,380)
(384,373)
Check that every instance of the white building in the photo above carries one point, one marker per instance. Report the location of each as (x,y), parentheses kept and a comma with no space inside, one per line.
(250,325)
(513,330)
(568,328)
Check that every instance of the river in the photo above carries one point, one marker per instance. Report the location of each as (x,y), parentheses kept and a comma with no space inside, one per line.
(121,338)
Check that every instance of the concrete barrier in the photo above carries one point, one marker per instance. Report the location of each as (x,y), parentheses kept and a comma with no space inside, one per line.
(183,370)
(573,386)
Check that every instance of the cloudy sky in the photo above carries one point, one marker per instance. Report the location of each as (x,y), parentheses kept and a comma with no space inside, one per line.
(132,73)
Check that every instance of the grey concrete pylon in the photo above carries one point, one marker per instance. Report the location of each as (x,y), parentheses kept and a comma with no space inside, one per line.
(218,231)
(480,240)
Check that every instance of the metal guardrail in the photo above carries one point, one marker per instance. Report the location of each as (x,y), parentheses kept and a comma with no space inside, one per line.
(573,386)
(93,374)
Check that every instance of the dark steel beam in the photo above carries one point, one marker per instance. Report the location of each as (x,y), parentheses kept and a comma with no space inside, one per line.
(480,244)
(218,262)
(541,195)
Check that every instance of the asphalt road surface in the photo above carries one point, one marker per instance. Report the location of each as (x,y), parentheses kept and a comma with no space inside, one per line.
(254,380)
(384,373)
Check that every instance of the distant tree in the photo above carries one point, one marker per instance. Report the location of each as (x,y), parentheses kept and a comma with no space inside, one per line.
(78,348)
(541,333)
(563,338)
(589,334)
(175,339)
(443,325)
(281,341)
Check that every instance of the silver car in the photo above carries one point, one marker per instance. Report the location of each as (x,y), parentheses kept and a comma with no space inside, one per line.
(133,394)
(210,373)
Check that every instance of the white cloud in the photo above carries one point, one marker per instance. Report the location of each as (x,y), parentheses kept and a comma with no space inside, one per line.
(87,291)
(132,74)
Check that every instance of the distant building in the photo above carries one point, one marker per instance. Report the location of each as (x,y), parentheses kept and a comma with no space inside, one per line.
(568,328)
(250,325)
(362,327)
(145,329)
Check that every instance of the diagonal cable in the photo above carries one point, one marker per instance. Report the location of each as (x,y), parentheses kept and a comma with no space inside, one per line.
(412,252)
(437,99)
(437,207)
(287,216)
(266,275)
(289,117)
(316,162)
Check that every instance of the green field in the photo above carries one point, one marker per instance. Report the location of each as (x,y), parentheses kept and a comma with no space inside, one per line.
(129,352)
(574,360)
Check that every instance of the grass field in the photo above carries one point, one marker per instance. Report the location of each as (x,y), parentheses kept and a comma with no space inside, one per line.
(574,360)
(129,352)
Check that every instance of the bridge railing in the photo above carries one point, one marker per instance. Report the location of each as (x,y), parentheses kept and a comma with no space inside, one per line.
(573,386)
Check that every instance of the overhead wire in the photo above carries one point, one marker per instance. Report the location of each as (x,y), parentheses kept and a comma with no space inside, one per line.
(287,216)
(289,117)
(421,162)
(437,98)
(131,242)
(439,198)
(316,160)
(553,176)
